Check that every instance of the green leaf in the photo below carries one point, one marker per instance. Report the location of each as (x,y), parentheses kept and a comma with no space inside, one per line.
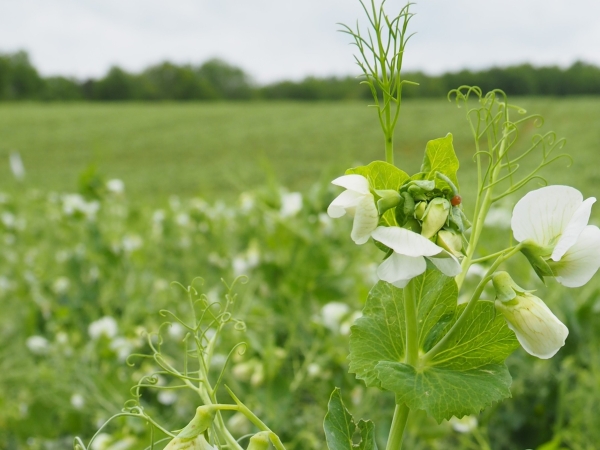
(440,157)
(444,393)
(340,427)
(382,176)
(465,377)
(379,335)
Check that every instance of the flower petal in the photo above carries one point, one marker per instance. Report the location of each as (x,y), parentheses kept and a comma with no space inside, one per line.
(538,330)
(581,261)
(366,219)
(346,200)
(400,269)
(542,215)
(446,263)
(578,222)
(354,182)
(405,242)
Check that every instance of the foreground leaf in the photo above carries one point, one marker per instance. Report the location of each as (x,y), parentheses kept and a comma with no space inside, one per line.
(440,157)
(380,334)
(340,427)
(463,379)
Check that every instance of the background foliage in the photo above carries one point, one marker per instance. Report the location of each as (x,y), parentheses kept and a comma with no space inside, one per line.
(218,80)
(85,269)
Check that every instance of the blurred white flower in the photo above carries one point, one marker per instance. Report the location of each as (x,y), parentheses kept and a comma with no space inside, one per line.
(463,425)
(77,401)
(101,442)
(75,203)
(498,217)
(247,261)
(247,202)
(552,222)
(38,345)
(346,324)
(239,424)
(106,326)
(313,370)
(122,347)
(8,219)
(408,259)
(182,219)
(291,204)
(332,314)
(476,271)
(356,201)
(538,330)
(16,165)
(166,397)
(61,285)
(176,330)
(131,243)
(115,186)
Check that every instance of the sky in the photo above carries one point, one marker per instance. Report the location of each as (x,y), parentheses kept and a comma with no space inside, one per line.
(290,39)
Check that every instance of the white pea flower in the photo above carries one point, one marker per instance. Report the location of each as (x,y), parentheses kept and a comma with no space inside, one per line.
(538,330)
(552,222)
(357,201)
(408,260)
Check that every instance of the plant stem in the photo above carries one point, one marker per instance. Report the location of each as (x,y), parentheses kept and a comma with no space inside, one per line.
(481,214)
(412,357)
(397,429)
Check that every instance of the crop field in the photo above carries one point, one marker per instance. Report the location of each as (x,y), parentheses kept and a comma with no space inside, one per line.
(219,190)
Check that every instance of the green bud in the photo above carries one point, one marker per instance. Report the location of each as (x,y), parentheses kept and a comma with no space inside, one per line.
(425,185)
(205,415)
(456,219)
(506,288)
(413,225)
(436,216)
(420,210)
(260,441)
(197,443)
(409,204)
(389,199)
(450,241)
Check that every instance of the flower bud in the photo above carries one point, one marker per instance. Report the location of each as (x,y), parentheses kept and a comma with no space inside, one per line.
(435,216)
(420,210)
(389,199)
(539,331)
(199,424)
(197,443)
(450,241)
(260,441)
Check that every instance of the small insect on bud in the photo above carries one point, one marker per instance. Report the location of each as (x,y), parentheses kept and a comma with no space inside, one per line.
(456,200)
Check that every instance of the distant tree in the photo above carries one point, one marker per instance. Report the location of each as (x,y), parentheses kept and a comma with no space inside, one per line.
(116,85)
(167,81)
(61,89)
(229,82)
(19,80)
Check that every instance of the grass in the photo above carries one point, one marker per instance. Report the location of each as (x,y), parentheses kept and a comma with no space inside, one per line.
(220,149)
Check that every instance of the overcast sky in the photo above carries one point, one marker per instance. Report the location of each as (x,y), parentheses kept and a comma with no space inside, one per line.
(283,39)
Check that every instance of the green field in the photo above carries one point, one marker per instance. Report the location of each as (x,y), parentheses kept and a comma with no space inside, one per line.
(205,195)
(219,149)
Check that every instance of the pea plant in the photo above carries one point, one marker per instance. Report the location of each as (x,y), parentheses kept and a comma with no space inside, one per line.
(415,339)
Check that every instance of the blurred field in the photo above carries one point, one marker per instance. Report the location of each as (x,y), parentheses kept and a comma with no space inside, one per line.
(221,149)
(207,193)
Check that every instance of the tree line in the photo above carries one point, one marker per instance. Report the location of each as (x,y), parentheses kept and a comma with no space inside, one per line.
(218,80)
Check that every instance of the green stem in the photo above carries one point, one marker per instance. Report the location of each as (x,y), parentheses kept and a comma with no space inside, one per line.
(389,149)
(412,358)
(480,214)
(397,429)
